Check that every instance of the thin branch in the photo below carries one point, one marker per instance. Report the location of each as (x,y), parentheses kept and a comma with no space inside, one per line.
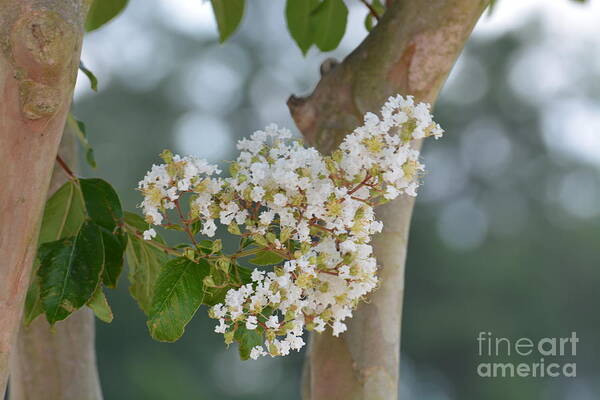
(363,183)
(372,10)
(246,253)
(152,243)
(186,226)
(65,167)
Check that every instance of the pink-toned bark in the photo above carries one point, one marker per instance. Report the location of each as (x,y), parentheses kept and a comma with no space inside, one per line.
(40,43)
(57,363)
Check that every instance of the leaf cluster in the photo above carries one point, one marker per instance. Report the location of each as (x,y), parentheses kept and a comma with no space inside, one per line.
(81,247)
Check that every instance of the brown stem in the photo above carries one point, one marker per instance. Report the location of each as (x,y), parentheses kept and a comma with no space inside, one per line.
(363,183)
(373,12)
(246,253)
(320,227)
(186,225)
(152,243)
(410,51)
(65,167)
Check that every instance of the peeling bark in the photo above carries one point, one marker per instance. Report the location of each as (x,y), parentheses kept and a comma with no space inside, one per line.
(40,44)
(411,51)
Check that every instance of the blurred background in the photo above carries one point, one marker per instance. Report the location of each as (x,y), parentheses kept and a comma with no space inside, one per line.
(506,233)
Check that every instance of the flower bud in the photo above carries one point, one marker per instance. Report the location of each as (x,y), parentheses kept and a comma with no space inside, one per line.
(234,229)
(223,264)
(208,281)
(217,246)
(167,156)
(190,254)
(229,337)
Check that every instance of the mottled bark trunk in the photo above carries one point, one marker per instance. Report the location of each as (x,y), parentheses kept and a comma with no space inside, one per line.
(40,43)
(58,363)
(411,52)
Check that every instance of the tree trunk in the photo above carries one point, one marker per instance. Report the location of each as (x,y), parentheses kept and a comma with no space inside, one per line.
(58,363)
(40,44)
(411,52)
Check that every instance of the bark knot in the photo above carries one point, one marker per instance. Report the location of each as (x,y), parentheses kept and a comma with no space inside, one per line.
(38,100)
(43,45)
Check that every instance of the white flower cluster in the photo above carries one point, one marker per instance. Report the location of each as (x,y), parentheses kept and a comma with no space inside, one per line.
(164,184)
(314,213)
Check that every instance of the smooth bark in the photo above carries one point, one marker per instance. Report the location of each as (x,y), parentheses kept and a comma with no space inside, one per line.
(40,44)
(57,363)
(411,51)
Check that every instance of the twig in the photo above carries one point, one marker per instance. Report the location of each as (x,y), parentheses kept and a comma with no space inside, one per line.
(152,243)
(245,253)
(373,12)
(363,183)
(65,167)
(186,225)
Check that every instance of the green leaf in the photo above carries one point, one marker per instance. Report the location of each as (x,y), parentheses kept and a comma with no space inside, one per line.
(243,274)
(63,215)
(114,250)
(205,246)
(78,128)
(247,339)
(329,20)
(138,223)
(228,14)
(90,75)
(491,7)
(238,276)
(99,305)
(102,202)
(33,301)
(266,258)
(144,261)
(70,271)
(177,296)
(369,22)
(174,227)
(245,242)
(196,227)
(90,158)
(298,17)
(102,11)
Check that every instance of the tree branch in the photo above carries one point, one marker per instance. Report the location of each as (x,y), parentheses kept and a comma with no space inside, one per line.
(410,51)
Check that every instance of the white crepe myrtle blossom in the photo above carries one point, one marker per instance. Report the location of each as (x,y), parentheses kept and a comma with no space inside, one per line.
(164,184)
(311,215)
(149,234)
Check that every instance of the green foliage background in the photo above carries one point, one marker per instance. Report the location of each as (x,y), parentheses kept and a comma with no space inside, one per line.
(532,273)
